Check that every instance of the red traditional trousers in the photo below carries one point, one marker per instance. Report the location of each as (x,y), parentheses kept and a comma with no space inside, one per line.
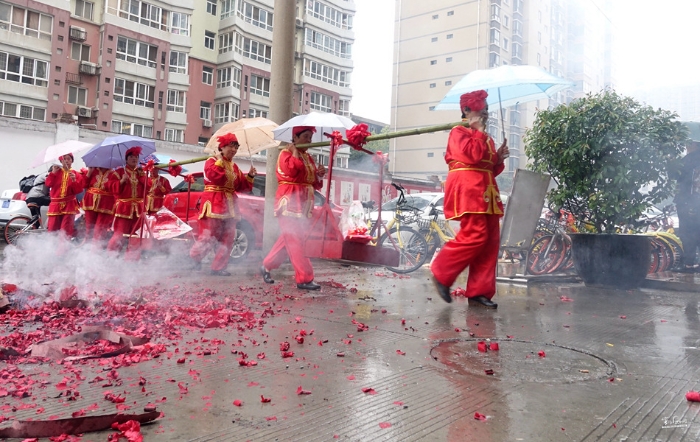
(219,233)
(97,225)
(66,223)
(291,243)
(475,246)
(122,226)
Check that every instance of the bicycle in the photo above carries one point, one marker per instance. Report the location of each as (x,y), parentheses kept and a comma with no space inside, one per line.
(435,231)
(411,245)
(22,225)
(551,249)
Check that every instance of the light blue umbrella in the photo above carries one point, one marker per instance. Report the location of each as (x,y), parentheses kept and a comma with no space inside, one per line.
(110,153)
(506,85)
(159,158)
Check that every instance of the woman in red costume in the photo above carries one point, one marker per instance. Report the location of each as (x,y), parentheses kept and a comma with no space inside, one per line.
(298,177)
(158,187)
(219,216)
(98,203)
(64,184)
(472,197)
(128,184)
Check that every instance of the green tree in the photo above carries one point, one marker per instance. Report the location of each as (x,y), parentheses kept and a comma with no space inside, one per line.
(609,156)
(362,161)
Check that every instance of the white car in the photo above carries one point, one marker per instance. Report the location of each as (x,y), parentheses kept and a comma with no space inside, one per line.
(10,207)
(421,201)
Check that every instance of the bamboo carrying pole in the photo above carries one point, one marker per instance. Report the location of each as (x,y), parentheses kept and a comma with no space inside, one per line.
(401,133)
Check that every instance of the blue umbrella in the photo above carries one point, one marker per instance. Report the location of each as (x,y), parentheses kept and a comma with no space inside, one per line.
(110,153)
(506,85)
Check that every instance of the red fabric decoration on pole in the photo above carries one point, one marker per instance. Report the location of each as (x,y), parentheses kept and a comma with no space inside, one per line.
(357,136)
(174,170)
(336,141)
(475,101)
(189,178)
(149,166)
(226,139)
(380,158)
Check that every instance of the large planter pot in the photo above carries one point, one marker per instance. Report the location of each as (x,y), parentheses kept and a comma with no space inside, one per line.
(614,261)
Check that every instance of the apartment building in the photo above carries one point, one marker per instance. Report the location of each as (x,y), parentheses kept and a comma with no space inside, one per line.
(436,43)
(174,70)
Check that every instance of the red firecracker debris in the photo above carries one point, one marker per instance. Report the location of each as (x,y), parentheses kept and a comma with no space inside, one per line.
(481,346)
(287,354)
(384,424)
(369,390)
(400,353)
(566,299)
(264,399)
(238,403)
(478,416)
(541,354)
(130,430)
(301,391)
(693,396)
(299,339)
(494,346)
(284,346)
(489,372)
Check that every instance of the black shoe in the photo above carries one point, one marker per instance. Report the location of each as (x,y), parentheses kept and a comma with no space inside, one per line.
(309,286)
(442,290)
(266,275)
(482,301)
(220,273)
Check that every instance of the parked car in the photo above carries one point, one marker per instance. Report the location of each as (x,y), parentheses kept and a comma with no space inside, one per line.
(251,206)
(13,204)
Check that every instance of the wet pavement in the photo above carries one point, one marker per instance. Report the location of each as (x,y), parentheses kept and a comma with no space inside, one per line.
(384,358)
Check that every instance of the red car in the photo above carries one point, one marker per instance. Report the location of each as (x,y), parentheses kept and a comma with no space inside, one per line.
(251,206)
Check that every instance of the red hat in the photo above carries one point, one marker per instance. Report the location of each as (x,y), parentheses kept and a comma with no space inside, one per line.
(66,155)
(226,139)
(136,150)
(299,129)
(475,101)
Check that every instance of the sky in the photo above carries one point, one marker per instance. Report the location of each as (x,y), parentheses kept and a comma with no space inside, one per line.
(656,44)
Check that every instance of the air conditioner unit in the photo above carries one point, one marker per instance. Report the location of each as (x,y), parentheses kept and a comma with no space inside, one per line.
(300,24)
(206,123)
(297,55)
(84,112)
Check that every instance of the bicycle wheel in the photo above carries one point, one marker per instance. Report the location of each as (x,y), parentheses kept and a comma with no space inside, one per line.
(568,262)
(15,227)
(664,254)
(412,248)
(432,238)
(540,260)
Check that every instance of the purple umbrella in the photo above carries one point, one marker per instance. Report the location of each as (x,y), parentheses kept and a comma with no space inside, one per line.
(109,154)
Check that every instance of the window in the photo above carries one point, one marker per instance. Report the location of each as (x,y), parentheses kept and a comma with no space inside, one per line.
(211,7)
(179,23)
(175,101)
(432,85)
(226,112)
(259,85)
(448,60)
(539,59)
(320,102)
(227,8)
(252,113)
(80,52)
(259,17)
(344,108)
(204,110)
(326,73)
(517,50)
(207,75)
(328,44)
(433,62)
(178,62)
(209,38)
(495,13)
(539,37)
(435,17)
(174,135)
(431,154)
(518,6)
(226,42)
(506,21)
(448,83)
(140,130)
(517,27)
(223,78)
(84,9)
(495,37)
(137,52)
(24,70)
(22,111)
(25,21)
(131,92)
(431,108)
(494,60)
(253,49)
(449,36)
(77,95)
(450,13)
(433,40)
(505,43)
(324,12)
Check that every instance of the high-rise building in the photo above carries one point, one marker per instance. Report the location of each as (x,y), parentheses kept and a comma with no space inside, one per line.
(172,69)
(436,43)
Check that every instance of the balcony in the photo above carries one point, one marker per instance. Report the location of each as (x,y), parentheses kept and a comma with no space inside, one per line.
(77,34)
(73,78)
(89,68)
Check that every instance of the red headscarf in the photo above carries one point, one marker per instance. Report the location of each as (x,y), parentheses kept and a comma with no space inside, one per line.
(226,139)
(136,150)
(299,129)
(475,101)
(66,155)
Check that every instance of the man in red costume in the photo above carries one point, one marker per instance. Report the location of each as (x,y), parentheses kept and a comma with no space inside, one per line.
(219,216)
(64,184)
(298,177)
(98,203)
(128,185)
(472,197)
(158,187)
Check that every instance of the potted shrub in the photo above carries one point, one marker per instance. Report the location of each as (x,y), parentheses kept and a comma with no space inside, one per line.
(609,157)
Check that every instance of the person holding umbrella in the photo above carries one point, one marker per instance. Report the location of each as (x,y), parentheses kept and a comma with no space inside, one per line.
(473,198)
(219,215)
(98,203)
(298,177)
(64,184)
(128,184)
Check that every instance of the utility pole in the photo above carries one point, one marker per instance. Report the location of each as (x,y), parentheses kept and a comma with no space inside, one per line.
(281,100)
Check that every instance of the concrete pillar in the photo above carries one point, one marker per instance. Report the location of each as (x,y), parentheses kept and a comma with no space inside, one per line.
(281,96)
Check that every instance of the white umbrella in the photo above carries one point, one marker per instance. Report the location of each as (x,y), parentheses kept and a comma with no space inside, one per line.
(323,122)
(52,153)
(254,135)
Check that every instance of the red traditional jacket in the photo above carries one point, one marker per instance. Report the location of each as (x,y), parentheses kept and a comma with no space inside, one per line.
(63,187)
(471,181)
(98,196)
(157,189)
(130,194)
(297,180)
(222,179)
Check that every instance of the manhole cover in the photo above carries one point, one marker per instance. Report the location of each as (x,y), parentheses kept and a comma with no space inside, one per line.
(521,361)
